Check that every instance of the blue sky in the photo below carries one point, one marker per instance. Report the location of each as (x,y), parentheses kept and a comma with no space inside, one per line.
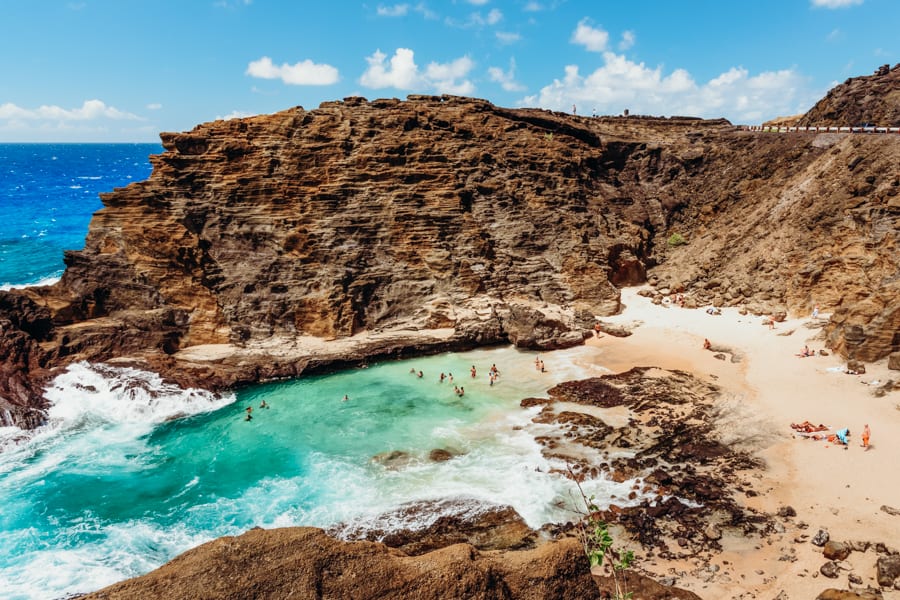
(125,70)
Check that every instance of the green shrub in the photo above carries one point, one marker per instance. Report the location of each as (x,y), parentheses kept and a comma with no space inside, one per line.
(676,239)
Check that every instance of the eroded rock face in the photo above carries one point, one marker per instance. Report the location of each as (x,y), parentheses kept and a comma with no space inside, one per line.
(872,99)
(306,563)
(452,223)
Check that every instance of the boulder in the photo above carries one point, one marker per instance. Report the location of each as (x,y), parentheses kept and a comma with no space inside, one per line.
(439,455)
(835,594)
(643,588)
(820,538)
(835,550)
(887,569)
(830,570)
(894,361)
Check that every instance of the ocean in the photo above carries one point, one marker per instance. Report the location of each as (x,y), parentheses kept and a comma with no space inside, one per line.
(131,471)
(48,193)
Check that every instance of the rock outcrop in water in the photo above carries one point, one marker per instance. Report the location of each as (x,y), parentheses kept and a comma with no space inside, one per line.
(268,246)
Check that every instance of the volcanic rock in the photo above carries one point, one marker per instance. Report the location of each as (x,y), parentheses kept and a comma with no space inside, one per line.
(276,245)
(888,569)
(420,527)
(821,538)
(872,100)
(304,562)
(835,594)
(835,550)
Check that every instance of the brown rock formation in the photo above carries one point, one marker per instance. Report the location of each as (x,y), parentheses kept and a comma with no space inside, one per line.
(872,99)
(268,246)
(305,563)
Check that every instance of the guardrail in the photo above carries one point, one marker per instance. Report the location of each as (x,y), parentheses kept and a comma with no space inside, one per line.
(831,129)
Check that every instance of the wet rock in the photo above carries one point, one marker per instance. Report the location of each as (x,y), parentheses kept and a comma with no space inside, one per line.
(529,402)
(820,538)
(420,527)
(440,455)
(393,459)
(890,510)
(833,550)
(854,579)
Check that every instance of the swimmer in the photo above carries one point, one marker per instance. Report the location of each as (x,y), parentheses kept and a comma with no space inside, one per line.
(419,374)
(263,404)
(346,397)
(473,371)
(442,378)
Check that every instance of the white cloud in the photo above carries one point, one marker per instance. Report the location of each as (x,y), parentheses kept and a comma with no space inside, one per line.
(236,114)
(302,73)
(397,10)
(834,35)
(627,41)
(494,17)
(426,12)
(478,2)
(94,120)
(506,79)
(533,7)
(621,83)
(154,106)
(401,72)
(90,110)
(835,3)
(507,37)
(591,38)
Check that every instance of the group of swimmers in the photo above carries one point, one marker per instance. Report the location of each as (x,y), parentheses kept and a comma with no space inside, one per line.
(249,410)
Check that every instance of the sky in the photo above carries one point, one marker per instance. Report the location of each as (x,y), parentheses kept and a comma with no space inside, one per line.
(126,70)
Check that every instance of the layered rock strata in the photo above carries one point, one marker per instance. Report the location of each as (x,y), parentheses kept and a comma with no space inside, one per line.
(268,246)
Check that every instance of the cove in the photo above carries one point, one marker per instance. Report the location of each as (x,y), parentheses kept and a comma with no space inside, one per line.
(131,472)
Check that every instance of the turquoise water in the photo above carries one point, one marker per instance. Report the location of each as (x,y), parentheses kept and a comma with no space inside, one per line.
(130,472)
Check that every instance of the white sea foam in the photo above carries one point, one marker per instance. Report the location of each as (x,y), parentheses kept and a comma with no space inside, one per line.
(119,551)
(100,392)
(18,286)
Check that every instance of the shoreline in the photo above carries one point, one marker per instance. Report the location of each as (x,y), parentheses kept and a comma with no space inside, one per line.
(840,491)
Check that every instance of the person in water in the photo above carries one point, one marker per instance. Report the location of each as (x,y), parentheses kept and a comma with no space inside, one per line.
(263,404)
(346,397)
(473,371)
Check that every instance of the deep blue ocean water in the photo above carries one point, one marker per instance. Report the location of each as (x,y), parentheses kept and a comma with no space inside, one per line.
(130,471)
(48,193)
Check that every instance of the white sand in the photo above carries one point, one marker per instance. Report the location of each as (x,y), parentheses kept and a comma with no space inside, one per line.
(840,490)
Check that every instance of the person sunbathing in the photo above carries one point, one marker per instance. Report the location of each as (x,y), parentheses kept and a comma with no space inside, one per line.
(807,427)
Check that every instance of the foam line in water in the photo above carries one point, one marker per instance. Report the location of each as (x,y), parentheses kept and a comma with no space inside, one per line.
(100,392)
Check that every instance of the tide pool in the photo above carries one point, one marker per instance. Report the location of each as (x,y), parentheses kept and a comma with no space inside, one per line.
(131,472)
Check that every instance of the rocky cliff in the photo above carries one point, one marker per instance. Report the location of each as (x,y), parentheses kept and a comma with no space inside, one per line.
(267,246)
(872,99)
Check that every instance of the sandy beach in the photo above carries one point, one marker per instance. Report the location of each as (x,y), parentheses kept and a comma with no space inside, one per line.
(840,489)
